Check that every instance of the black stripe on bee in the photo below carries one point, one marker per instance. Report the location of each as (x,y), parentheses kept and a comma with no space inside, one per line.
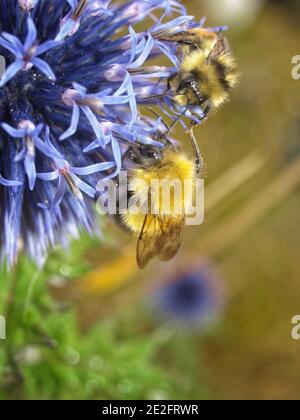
(221,70)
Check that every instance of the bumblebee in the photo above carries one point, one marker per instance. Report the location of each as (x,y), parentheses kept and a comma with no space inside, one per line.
(208,71)
(159,232)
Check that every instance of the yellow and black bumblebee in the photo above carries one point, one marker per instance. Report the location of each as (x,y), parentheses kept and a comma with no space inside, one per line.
(208,71)
(160,232)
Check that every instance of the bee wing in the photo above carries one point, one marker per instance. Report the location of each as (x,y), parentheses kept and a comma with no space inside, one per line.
(221,47)
(193,37)
(184,37)
(146,246)
(170,243)
(160,236)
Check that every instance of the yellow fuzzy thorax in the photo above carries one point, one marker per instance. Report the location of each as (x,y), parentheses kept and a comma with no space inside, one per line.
(210,84)
(146,187)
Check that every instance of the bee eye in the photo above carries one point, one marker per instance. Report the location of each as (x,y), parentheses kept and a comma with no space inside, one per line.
(187,83)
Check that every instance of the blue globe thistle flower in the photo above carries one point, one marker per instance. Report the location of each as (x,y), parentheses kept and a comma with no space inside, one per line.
(188,297)
(77,75)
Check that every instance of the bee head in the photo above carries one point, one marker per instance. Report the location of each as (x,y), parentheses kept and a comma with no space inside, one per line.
(145,155)
(186,89)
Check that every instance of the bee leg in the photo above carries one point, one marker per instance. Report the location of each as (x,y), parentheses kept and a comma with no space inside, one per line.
(206,111)
(171,79)
(204,116)
(198,156)
(176,121)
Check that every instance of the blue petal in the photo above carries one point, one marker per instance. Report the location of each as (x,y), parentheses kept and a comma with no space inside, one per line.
(60,192)
(92,146)
(31,34)
(99,95)
(115,100)
(172,57)
(202,22)
(37,130)
(141,45)
(67,28)
(127,87)
(74,123)
(124,86)
(46,46)
(145,54)
(73,4)
(173,26)
(30,170)
(51,150)
(81,89)
(14,45)
(11,71)
(7,183)
(48,176)
(92,169)
(10,47)
(14,132)
(43,67)
(117,154)
(133,44)
(46,150)
(83,186)
(21,155)
(94,123)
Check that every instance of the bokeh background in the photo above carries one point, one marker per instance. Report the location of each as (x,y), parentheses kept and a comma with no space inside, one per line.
(215,322)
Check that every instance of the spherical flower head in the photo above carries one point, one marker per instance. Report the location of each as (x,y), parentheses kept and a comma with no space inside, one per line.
(188,296)
(76,78)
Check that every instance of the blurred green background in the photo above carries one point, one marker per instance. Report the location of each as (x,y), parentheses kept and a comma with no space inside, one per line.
(83,328)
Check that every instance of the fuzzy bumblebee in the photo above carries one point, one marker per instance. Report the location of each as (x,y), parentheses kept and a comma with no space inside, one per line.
(208,71)
(163,188)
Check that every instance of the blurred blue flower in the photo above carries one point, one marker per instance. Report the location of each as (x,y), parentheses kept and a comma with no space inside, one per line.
(70,102)
(188,297)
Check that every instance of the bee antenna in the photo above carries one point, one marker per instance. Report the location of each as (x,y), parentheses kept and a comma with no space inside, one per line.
(161,95)
(158,116)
